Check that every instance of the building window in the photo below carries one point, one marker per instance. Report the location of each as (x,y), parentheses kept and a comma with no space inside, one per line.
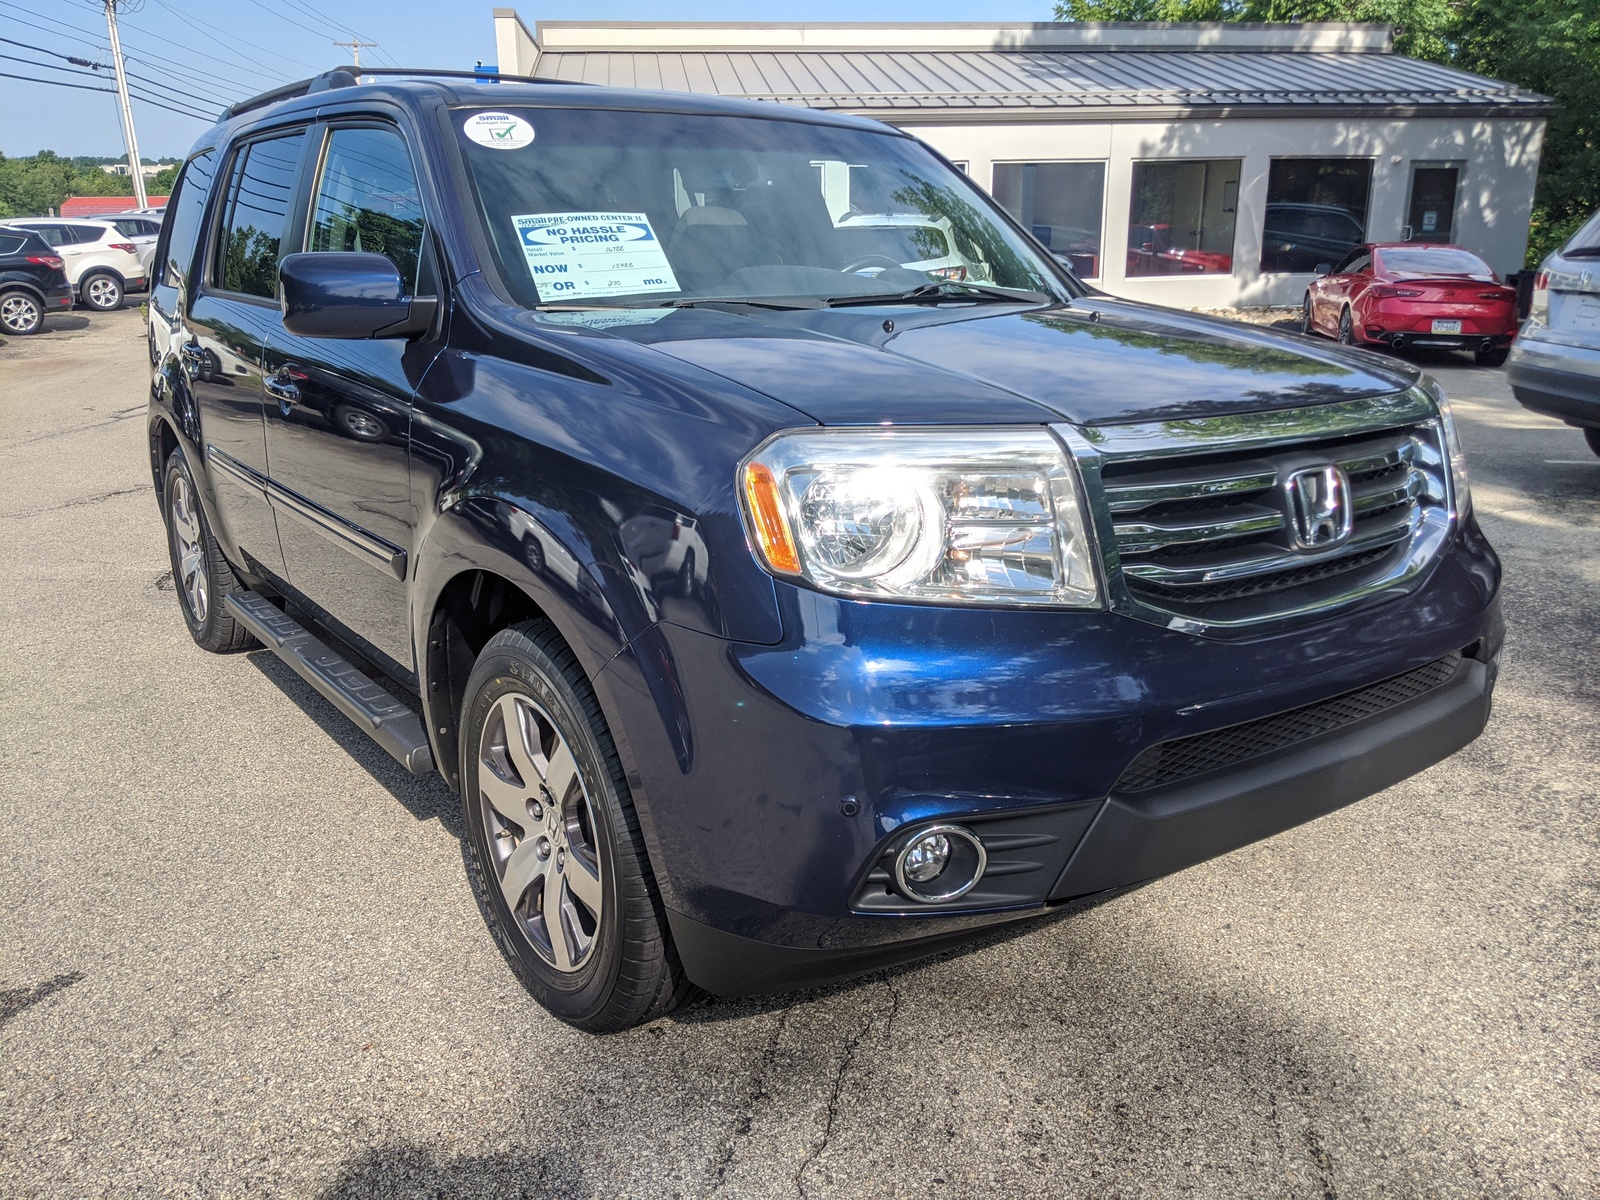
(1061,204)
(1316,211)
(1182,218)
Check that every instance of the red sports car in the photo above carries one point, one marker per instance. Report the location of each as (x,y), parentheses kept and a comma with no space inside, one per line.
(1414,294)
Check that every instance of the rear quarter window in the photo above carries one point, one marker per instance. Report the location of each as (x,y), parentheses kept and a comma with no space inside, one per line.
(10,243)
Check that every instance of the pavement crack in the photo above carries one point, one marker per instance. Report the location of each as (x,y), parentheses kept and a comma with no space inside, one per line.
(754,1095)
(80,502)
(124,414)
(15,1001)
(1320,1156)
(846,1057)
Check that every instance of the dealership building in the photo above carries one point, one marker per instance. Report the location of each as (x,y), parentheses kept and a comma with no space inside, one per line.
(1198,165)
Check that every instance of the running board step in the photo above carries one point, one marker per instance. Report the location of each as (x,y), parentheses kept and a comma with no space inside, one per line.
(376,713)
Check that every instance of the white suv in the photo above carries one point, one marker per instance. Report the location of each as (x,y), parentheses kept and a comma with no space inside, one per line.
(102,264)
(143,230)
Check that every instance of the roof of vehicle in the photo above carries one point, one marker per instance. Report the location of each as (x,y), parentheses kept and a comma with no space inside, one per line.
(29,222)
(467,88)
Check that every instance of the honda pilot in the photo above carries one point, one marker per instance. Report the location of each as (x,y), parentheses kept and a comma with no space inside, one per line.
(779,611)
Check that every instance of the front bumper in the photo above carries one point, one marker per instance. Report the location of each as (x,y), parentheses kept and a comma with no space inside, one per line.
(771,779)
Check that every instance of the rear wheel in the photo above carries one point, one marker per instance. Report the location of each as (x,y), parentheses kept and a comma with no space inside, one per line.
(1347,329)
(20,313)
(553,846)
(200,572)
(101,291)
(1592,436)
(1491,358)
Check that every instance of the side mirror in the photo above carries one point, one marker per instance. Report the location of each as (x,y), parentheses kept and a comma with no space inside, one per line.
(338,295)
(1324,268)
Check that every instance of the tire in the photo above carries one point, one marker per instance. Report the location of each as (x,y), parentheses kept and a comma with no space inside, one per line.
(1307,326)
(686,575)
(20,313)
(1491,358)
(1347,329)
(101,291)
(607,963)
(1591,434)
(201,574)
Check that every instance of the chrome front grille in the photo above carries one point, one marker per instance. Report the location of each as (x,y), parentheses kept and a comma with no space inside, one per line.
(1196,524)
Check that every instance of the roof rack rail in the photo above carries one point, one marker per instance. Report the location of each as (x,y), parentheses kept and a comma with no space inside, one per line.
(338,77)
(429,73)
(351,76)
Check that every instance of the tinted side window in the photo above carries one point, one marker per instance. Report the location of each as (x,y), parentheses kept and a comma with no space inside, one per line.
(84,235)
(10,243)
(258,210)
(367,200)
(183,223)
(54,234)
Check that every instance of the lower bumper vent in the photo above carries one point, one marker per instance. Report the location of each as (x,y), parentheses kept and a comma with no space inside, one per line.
(1184,758)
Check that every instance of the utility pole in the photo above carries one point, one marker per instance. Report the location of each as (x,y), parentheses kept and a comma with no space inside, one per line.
(127,106)
(356,46)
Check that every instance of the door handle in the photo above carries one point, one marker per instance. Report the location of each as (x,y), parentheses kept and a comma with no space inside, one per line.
(281,387)
(193,358)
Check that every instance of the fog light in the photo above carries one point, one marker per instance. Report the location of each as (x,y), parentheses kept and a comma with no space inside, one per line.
(939,864)
(926,857)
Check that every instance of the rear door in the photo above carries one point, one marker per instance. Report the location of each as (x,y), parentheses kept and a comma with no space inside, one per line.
(225,330)
(338,414)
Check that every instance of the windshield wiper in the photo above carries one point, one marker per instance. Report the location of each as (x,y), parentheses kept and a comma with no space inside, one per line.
(777,302)
(944,289)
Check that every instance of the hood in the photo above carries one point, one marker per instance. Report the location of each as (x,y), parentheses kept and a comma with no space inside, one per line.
(1095,361)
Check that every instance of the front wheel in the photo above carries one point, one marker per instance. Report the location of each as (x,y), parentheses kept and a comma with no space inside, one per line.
(102,292)
(200,571)
(20,314)
(1492,358)
(553,846)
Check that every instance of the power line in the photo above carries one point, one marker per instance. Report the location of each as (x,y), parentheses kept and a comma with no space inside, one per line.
(234,37)
(83,87)
(230,83)
(94,66)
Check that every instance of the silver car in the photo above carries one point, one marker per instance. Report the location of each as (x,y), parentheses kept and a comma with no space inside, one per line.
(1555,362)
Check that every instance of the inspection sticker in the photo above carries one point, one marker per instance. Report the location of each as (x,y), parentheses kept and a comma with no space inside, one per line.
(498,130)
(580,256)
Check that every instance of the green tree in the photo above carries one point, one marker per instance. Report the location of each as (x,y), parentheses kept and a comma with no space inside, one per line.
(35,185)
(1547,46)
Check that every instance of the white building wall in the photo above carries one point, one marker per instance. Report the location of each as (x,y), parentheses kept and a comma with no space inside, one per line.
(1500,161)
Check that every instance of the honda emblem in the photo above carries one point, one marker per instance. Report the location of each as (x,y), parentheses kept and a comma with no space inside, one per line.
(1318,504)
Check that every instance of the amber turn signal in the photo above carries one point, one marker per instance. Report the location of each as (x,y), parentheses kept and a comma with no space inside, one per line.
(767,520)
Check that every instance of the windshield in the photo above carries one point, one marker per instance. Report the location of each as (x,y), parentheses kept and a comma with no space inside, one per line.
(1434,262)
(599,208)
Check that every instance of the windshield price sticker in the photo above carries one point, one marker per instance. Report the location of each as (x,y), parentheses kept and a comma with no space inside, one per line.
(498,131)
(581,256)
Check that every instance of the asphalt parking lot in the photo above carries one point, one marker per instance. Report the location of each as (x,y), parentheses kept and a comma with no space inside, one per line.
(238,956)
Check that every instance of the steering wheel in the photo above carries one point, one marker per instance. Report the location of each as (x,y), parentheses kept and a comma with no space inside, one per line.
(869,260)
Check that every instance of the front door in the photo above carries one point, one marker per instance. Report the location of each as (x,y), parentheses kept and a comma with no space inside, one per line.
(1432,215)
(338,412)
(226,326)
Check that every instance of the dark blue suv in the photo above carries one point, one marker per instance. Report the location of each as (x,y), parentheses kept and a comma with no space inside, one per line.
(779,613)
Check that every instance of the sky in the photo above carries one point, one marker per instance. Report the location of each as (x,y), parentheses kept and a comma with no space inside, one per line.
(201,55)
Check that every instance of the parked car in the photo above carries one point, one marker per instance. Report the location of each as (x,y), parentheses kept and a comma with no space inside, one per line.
(32,282)
(1005,597)
(1151,252)
(101,263)
(1076,249)
(1299,237)
(1555,365)
(142,229)
(876,241)
(1400,294)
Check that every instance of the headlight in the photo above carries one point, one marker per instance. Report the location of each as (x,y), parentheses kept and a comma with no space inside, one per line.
(978,516)
(1452,444)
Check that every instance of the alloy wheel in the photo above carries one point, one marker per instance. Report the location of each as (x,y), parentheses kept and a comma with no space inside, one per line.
(190,547)
(19,313)
(1347,332)
(104,292)
(540,827)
